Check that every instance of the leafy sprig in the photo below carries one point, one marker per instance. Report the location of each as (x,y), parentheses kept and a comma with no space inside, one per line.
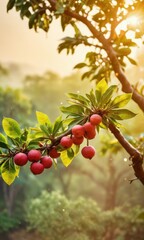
(103,100)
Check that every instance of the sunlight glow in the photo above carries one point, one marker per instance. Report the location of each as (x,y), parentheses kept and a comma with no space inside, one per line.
(132,22)
(129,2)
(125,159)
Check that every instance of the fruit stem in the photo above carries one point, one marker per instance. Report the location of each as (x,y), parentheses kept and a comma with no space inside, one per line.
(87,142)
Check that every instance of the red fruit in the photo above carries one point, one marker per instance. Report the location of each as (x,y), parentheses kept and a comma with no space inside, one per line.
(88,152)
(90,131)
(78,131)
(90,135)
(34,155)
(54,153)
(95,119)
(76,140)
(20,159)
(88,127)
(36,168)
(66,142)
(46,161)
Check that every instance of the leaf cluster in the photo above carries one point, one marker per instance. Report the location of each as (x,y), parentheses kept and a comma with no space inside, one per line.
(102,101)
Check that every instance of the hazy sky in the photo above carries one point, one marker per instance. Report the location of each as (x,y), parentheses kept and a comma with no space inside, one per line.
(20,45)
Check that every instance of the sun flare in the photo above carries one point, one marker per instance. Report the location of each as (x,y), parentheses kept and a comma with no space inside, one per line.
(132,22)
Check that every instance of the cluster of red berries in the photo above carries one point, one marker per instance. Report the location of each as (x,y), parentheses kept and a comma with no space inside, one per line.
(78,134)
(38,162)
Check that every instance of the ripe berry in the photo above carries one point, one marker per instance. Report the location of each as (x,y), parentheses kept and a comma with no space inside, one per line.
(20,159)
(95,119)
(46,161)
(90,132)
(77,140)
(34,155)
(78,131)
(88,127)
(90,135)
(66,142)
(36,168)
(54,153)
(88,152)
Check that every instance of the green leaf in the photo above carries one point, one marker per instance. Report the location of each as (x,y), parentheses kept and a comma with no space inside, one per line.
(42,118)
(70,122)
(65,20)
(80,65)
(106,97)
(76,149)
(132,61)
(121,100)
(46,130)
(76,29)
(66,160)
(35,141)
(86,74)
(78,98)
(24,135)
(67,156)
(59,8)
(32,20)
(10,4)
(4,145)
(121,114)
(92,98)
(73,109)
(57,125)
(101,88)
(3,138)
(124,51)
(11,127)
(25,10)
(70,153)
(9,171)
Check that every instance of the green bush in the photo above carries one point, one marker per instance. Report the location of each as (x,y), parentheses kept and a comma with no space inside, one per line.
(8,222)
(57,218)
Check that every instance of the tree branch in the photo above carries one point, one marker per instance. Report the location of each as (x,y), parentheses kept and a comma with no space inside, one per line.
(126,86)
(135,155)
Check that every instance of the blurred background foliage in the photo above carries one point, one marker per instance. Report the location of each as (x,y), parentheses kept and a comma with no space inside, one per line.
(88,200)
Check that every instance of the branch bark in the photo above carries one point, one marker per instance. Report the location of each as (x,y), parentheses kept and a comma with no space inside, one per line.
(135,155)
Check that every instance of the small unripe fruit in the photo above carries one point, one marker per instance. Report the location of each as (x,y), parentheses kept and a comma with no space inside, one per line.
(20,159)
(95,119)
(54,153)
(46,161)
(66,142)
(36,168)
(34,155)
(77,141)
(88,152)
(78,131)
